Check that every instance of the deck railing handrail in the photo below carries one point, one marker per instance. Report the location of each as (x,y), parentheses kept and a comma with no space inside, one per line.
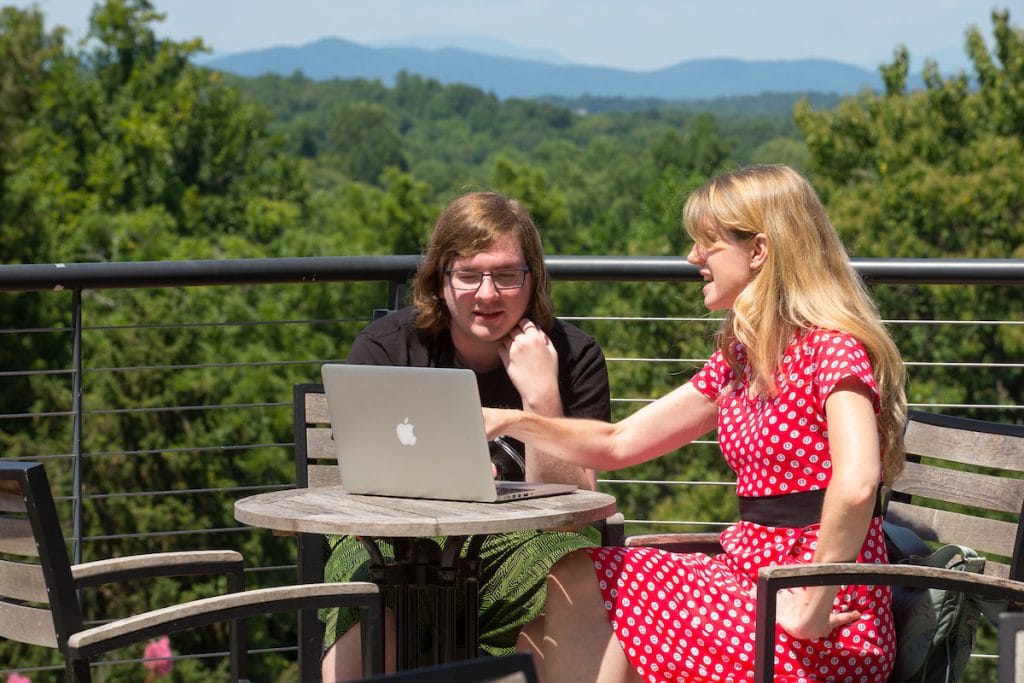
(138,274)
(395,271)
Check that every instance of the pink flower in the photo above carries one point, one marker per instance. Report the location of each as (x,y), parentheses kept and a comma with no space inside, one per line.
(157,654)
(15,677)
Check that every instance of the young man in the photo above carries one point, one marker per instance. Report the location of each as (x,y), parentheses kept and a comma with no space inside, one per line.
(482,301)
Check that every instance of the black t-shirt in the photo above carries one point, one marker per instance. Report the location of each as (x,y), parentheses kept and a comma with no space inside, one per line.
(582,372)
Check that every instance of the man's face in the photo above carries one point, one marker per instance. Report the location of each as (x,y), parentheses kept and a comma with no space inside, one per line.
(486,314)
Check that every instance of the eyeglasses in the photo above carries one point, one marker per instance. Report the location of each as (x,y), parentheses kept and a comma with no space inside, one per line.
(470,280)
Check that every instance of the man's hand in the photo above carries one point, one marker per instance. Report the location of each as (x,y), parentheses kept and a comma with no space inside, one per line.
(532,364)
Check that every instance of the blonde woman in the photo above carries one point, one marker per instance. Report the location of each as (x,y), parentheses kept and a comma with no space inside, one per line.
(806,391)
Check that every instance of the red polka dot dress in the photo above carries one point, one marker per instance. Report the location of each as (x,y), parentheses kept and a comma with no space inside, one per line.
(690,617)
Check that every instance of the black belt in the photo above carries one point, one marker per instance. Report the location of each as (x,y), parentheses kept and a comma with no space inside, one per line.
(790,509)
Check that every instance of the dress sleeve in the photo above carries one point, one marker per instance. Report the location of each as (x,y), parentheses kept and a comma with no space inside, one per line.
(838,356)
(715,375)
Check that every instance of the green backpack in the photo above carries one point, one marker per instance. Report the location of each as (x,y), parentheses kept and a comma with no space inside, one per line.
(935,628)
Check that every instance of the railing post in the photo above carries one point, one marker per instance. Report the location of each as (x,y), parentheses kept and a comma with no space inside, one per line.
(396,294)
(76,424)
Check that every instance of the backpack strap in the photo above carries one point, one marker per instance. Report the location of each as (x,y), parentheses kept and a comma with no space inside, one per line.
(902,543)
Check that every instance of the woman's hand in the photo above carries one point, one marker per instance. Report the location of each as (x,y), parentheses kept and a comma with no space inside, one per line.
(496,420)
(806,613)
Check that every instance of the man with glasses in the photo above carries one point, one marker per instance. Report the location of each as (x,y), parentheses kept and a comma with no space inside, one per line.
(481,300)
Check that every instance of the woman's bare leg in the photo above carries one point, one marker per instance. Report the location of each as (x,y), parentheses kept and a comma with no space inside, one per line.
(579,645)
(343,661)
(530,641)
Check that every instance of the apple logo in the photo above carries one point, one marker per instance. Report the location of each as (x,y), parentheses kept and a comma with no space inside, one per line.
(405,433)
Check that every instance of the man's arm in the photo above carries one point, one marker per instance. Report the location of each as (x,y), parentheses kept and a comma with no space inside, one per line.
(545,468)
(532,363)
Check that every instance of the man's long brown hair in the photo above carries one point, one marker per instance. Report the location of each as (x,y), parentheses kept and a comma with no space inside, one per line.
(469,225)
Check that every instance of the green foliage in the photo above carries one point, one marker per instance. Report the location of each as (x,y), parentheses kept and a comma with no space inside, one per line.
(936,173)
(363,140)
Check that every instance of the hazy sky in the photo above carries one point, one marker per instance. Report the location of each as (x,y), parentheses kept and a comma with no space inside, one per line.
(630,34)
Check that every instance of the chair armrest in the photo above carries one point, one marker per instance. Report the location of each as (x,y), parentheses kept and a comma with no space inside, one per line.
(770,580)
(141,627)
(915,576)
(186,563)
(702,542)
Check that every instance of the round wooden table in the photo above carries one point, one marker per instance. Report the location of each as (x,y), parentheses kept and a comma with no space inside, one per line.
(411,526)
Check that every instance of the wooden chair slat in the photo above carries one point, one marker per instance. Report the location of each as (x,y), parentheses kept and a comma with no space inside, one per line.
(986,536)
(316,409)
(999,451)
(11,499)
(983,491)
(22,581)
(323,475)
(32,625)
(16,537)
(320,444)
(693,542)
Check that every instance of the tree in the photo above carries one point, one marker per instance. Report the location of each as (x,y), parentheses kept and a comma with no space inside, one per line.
(28,55)
(936,173)
(125,150)
(363,140)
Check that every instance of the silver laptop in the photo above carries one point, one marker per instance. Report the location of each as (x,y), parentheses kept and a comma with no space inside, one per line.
(416,433)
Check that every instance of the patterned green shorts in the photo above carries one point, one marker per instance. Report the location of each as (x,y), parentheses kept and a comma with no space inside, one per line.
(513,569)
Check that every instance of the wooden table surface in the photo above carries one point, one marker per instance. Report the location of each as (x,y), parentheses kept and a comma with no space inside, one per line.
(330,510)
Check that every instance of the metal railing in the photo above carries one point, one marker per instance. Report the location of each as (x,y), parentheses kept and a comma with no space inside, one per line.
(78,290)
(395,271)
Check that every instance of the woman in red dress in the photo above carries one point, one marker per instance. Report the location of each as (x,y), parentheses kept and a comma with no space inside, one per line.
(806,389)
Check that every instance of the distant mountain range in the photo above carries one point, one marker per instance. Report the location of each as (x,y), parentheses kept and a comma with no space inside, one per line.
(530,78)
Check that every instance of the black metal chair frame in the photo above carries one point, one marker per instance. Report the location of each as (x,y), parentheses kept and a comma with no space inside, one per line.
(37,520)
(481,670)
(1009,588)
(1011,655)
(926,432)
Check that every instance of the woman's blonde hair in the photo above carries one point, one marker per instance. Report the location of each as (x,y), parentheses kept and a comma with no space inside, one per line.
(469,225)
(805,282)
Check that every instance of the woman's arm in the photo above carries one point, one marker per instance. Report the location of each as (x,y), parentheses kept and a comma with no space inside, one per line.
(847,510)
(659,427)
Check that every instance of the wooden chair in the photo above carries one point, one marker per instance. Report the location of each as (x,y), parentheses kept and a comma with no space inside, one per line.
(316,464)
(517,668)
(939,501)
(1011,647)
(39,601)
